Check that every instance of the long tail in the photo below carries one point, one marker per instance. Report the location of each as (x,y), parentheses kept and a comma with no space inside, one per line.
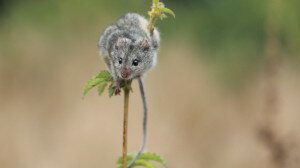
(143,95)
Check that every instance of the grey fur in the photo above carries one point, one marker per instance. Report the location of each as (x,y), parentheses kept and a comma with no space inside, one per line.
(128,39)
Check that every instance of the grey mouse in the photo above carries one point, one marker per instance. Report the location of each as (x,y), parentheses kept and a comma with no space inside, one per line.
(129,50)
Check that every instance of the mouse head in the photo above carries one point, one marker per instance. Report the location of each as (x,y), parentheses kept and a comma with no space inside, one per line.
(132,58)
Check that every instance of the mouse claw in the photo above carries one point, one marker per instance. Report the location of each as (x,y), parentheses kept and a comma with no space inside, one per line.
(117,90)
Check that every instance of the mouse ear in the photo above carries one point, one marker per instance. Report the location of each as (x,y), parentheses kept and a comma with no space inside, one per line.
(121,42)
(145,44)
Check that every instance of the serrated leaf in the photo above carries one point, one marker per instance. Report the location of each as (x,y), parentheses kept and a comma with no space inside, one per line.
(144,163)
(101,87)
(105,75)
(145,156)
(152,157)
(138,162)
(100,79)
(162,16)
(168,11)
(90,84)
(111,90)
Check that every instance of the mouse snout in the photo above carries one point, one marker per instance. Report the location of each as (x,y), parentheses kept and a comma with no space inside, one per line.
(125,72)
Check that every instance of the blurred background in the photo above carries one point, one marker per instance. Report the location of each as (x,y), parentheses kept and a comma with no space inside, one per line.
(225,92)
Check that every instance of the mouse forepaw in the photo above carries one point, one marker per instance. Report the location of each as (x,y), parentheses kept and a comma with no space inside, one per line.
(117,88)
(117,91)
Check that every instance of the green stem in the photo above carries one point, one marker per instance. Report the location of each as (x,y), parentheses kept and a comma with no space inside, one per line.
(125,122)
(151,24)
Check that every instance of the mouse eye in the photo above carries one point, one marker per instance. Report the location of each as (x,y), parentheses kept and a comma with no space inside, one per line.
(120,61)
(135,62)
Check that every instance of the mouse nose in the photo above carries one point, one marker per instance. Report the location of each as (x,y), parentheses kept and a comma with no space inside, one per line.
(125,73)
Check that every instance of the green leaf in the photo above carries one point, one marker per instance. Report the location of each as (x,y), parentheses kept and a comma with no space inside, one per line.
(168,11)
(101,87)
(90,84)
(163,16)
(144,157)
(139,162)
(100,80)
(152,157)
(111,90)
(144,163)
(105,75)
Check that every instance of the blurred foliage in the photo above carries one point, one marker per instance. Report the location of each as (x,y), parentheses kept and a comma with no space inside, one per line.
(229,33)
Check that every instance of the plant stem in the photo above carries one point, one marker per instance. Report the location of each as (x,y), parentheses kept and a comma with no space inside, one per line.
(276,145)
(125,124)
(151,24)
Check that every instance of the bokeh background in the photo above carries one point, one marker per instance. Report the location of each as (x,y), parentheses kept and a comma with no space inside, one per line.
(225,92)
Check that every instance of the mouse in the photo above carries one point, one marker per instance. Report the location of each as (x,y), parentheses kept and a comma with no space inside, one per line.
(129,50)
